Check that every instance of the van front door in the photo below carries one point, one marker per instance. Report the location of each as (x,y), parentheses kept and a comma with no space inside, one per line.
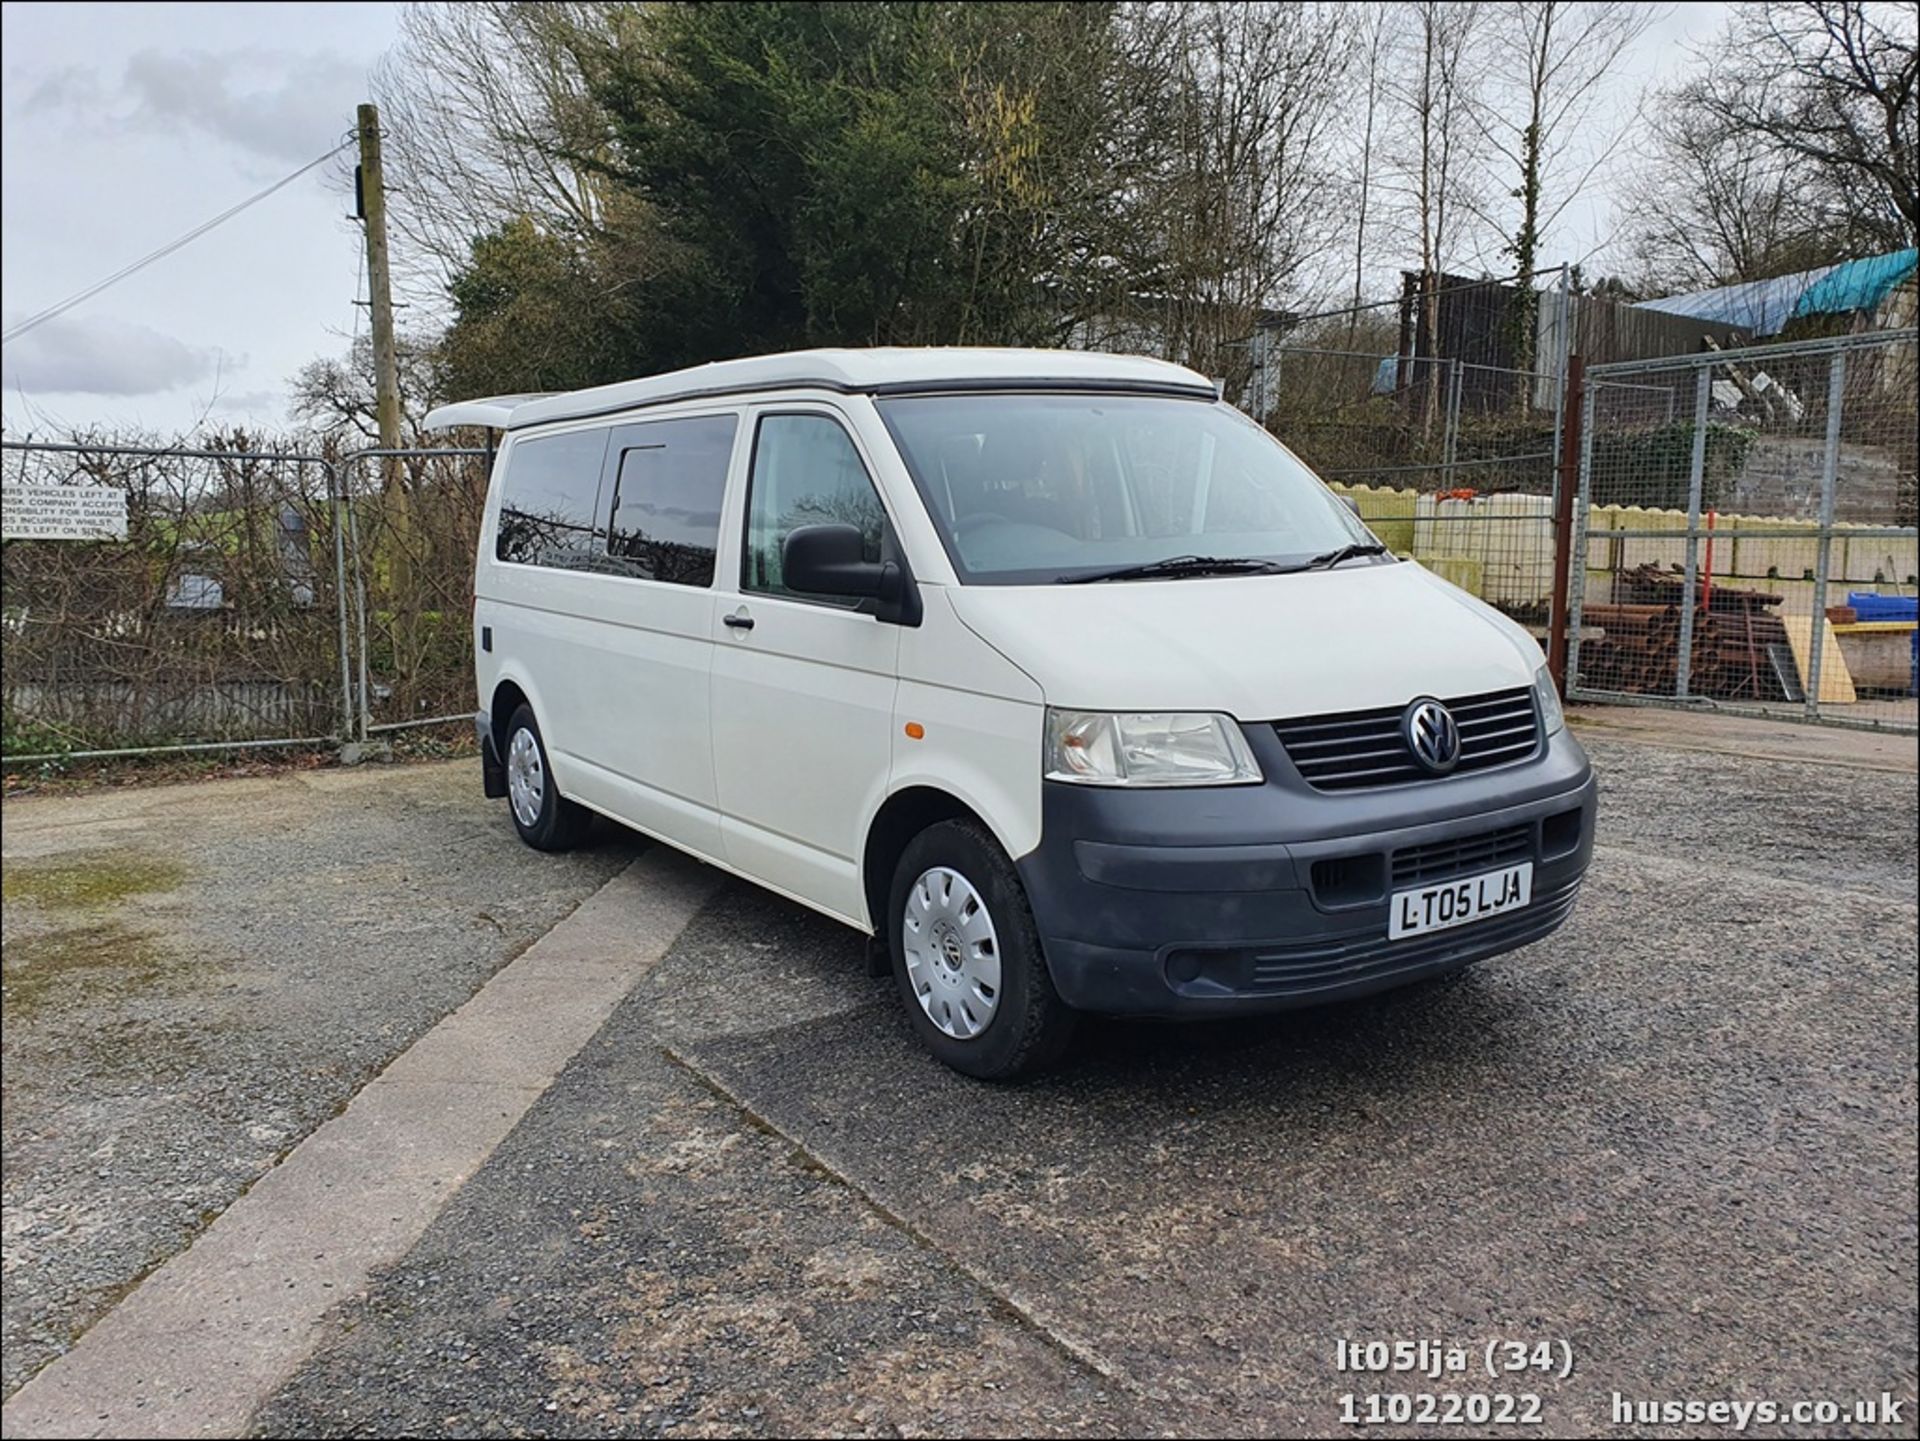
(803,688)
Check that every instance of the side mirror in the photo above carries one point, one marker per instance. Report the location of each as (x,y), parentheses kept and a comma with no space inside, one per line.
(828,560)
(1352,505)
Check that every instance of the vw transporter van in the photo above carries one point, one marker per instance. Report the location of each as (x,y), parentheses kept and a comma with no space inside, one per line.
(1050,671)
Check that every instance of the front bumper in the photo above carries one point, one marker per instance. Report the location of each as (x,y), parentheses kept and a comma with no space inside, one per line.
(1230,900)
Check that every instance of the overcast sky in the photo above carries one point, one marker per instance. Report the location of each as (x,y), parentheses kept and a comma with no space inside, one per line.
(127,125)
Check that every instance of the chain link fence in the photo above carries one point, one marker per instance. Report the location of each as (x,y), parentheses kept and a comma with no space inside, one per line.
(219,621)
(413,522)
(1746,533)
(1743,536)
(1439,413)
(261,598)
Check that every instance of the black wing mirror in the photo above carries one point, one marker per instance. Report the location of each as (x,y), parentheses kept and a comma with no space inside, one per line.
(831,560)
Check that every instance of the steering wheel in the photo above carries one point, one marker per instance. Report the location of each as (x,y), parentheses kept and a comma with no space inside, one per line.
(978,518)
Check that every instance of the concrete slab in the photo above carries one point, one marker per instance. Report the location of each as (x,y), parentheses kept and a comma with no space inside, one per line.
(640,1259)
(197,977)
(194,1349)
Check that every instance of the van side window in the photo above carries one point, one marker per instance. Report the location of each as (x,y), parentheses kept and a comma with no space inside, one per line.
(805,472)
(549,501)
(669,477)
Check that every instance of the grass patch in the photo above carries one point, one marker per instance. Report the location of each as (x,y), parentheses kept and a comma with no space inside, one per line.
(78,965)
(82,882)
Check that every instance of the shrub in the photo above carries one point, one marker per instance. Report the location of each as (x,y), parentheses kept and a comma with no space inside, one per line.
(1652,467)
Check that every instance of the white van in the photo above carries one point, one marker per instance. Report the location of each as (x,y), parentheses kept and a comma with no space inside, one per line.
(1050,671)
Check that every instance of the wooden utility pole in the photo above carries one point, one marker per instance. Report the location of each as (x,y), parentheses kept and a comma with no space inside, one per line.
(394,545)
(373,211)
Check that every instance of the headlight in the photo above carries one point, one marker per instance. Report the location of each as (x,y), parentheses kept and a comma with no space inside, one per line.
(1551,716)
(1156,748)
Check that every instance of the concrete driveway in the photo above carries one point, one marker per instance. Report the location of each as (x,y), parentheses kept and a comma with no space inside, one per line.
(1676,1141)
(196,976)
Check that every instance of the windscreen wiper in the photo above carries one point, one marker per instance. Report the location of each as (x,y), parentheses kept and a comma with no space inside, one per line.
(1179,566)
(1346,552)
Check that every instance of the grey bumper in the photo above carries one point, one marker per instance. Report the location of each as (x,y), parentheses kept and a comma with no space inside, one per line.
(1227,900)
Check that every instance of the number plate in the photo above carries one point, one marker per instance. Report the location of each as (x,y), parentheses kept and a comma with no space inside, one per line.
(1461,902)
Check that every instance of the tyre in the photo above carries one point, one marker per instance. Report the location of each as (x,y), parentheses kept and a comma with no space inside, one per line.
(967,957)
(546,820)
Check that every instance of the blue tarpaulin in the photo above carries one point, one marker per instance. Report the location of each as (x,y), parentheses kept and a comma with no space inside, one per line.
(1858,284)
(1763,307)
(1870,606)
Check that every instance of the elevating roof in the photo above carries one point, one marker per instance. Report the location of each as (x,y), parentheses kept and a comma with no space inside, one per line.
(879,371)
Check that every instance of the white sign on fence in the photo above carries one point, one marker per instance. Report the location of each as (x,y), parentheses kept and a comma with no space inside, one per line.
(63,512)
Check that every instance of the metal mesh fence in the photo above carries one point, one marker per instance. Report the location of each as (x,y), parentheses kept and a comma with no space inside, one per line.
(259,598)
(1416,410)
(414,523)
(1747,532)
(219,619)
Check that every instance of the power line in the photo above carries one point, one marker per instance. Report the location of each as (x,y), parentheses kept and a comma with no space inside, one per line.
(53,311)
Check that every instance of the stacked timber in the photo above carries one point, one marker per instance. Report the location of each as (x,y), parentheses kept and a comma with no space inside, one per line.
(1740,648)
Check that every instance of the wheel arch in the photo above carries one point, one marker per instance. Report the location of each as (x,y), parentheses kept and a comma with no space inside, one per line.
(901,817)
(508,697)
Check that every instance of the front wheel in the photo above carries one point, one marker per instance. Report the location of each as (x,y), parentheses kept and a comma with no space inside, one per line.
(546,820)
(967,957)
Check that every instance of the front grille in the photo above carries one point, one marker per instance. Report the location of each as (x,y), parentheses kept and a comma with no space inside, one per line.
(1365,748)
(1325,965)
(1442,860)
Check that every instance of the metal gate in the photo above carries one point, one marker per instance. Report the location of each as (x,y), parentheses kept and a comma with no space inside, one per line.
(412,522)
(1745,532)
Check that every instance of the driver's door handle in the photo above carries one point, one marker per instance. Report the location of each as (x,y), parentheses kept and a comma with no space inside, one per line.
(739,620)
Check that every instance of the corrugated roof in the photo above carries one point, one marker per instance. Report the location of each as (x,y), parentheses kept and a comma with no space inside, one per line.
(1761,306)
(1765,306)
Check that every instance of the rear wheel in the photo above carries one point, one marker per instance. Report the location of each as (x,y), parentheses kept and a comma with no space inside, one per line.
(967,957)
(546,820)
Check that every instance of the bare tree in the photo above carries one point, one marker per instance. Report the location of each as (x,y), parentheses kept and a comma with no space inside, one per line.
(482,105)
(1374,31)
(1834,86)
(1551,120)
(1433,168)
(1711,204)
(334,396)
(1244,200)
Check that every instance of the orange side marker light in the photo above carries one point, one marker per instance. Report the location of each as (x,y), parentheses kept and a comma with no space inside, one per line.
(916,731)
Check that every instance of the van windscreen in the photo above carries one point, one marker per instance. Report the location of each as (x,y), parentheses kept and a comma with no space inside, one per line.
(1028,489)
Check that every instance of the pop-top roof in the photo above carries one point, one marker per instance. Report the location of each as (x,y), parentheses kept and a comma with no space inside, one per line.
(879,371)
(492,411)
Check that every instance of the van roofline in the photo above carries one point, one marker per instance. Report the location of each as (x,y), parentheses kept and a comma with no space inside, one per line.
(879,371)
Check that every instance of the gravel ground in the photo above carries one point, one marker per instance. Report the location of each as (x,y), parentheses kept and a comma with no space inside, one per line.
(197,976)
(1679,1137)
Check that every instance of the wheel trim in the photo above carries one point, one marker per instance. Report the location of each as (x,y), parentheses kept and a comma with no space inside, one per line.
(952,952)
(526,777)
